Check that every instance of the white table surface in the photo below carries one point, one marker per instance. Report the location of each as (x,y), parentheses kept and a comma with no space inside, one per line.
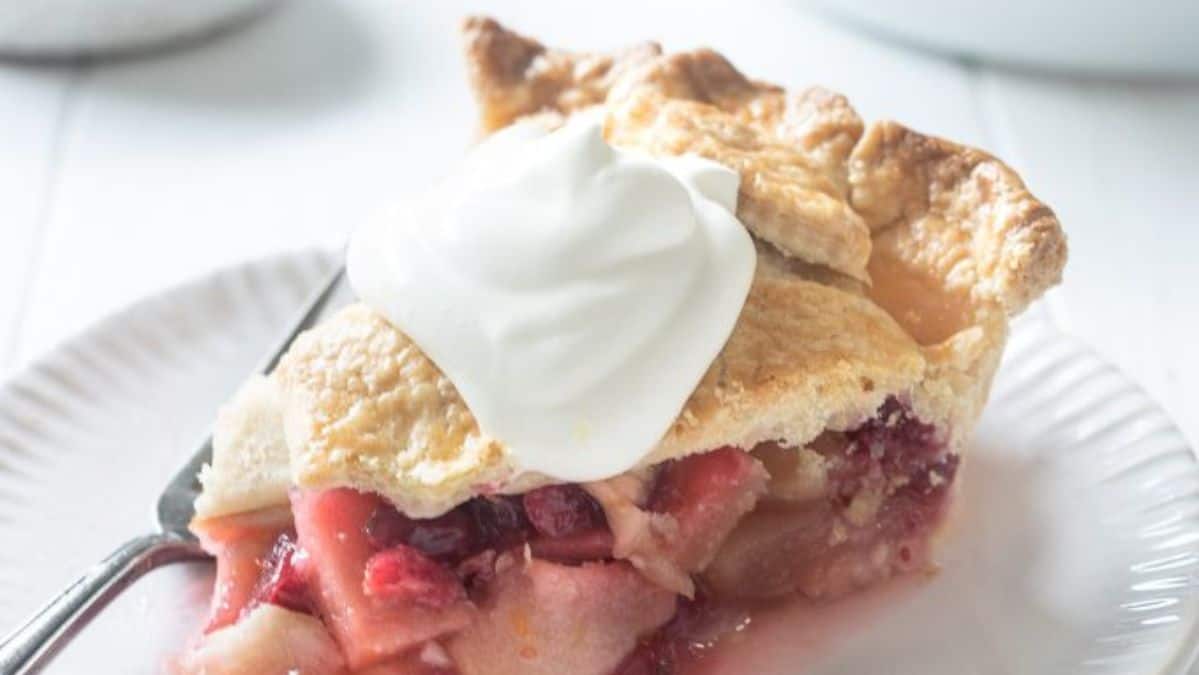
(118,180)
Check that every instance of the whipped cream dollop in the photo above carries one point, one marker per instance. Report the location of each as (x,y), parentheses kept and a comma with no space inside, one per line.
(574,293)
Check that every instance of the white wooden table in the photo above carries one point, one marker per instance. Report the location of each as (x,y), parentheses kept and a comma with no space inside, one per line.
(118,180)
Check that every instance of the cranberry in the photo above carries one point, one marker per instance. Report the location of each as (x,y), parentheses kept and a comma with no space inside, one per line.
(496,523)
(580,547)
(387,527)
(500,520)
(894,432)
(284,579)
(944,471)
(561,510)
(894,442)
(402,574)
(449,537)
(920,503)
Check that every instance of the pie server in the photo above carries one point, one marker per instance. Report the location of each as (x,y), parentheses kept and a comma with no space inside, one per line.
(30,647)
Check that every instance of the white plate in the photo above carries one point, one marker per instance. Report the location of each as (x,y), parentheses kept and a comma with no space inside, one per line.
(1076,548)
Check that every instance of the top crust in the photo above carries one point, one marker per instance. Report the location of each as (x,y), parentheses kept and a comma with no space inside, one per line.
(955,215)
(889,263)
(513,76)
(784,198)
(364,407)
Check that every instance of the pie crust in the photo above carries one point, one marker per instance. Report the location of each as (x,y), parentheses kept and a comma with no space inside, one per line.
(820,446)
(898,282)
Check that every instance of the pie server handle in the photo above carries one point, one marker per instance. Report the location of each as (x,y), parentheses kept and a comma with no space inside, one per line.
(30,647)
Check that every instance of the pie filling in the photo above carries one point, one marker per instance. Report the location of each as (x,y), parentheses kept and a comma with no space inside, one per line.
(652,570)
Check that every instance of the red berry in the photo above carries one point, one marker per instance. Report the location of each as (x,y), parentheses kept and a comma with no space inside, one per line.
(500,520)
(387,527)
(284,579)
(561,510)
(580,547)
(450,537)
(402,575)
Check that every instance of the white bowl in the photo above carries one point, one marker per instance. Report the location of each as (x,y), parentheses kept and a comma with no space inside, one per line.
(1099,36)
(73,28)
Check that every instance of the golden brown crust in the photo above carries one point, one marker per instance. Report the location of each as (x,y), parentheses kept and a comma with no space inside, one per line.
(823,126)
(704,76)
(695,102)
(957,215)
(783,198)
(803,357)
(815,122)
(958,245)
(949,212)
(513,76)
(364,407)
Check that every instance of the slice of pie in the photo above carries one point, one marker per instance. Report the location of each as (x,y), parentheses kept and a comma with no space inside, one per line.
(363,523)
